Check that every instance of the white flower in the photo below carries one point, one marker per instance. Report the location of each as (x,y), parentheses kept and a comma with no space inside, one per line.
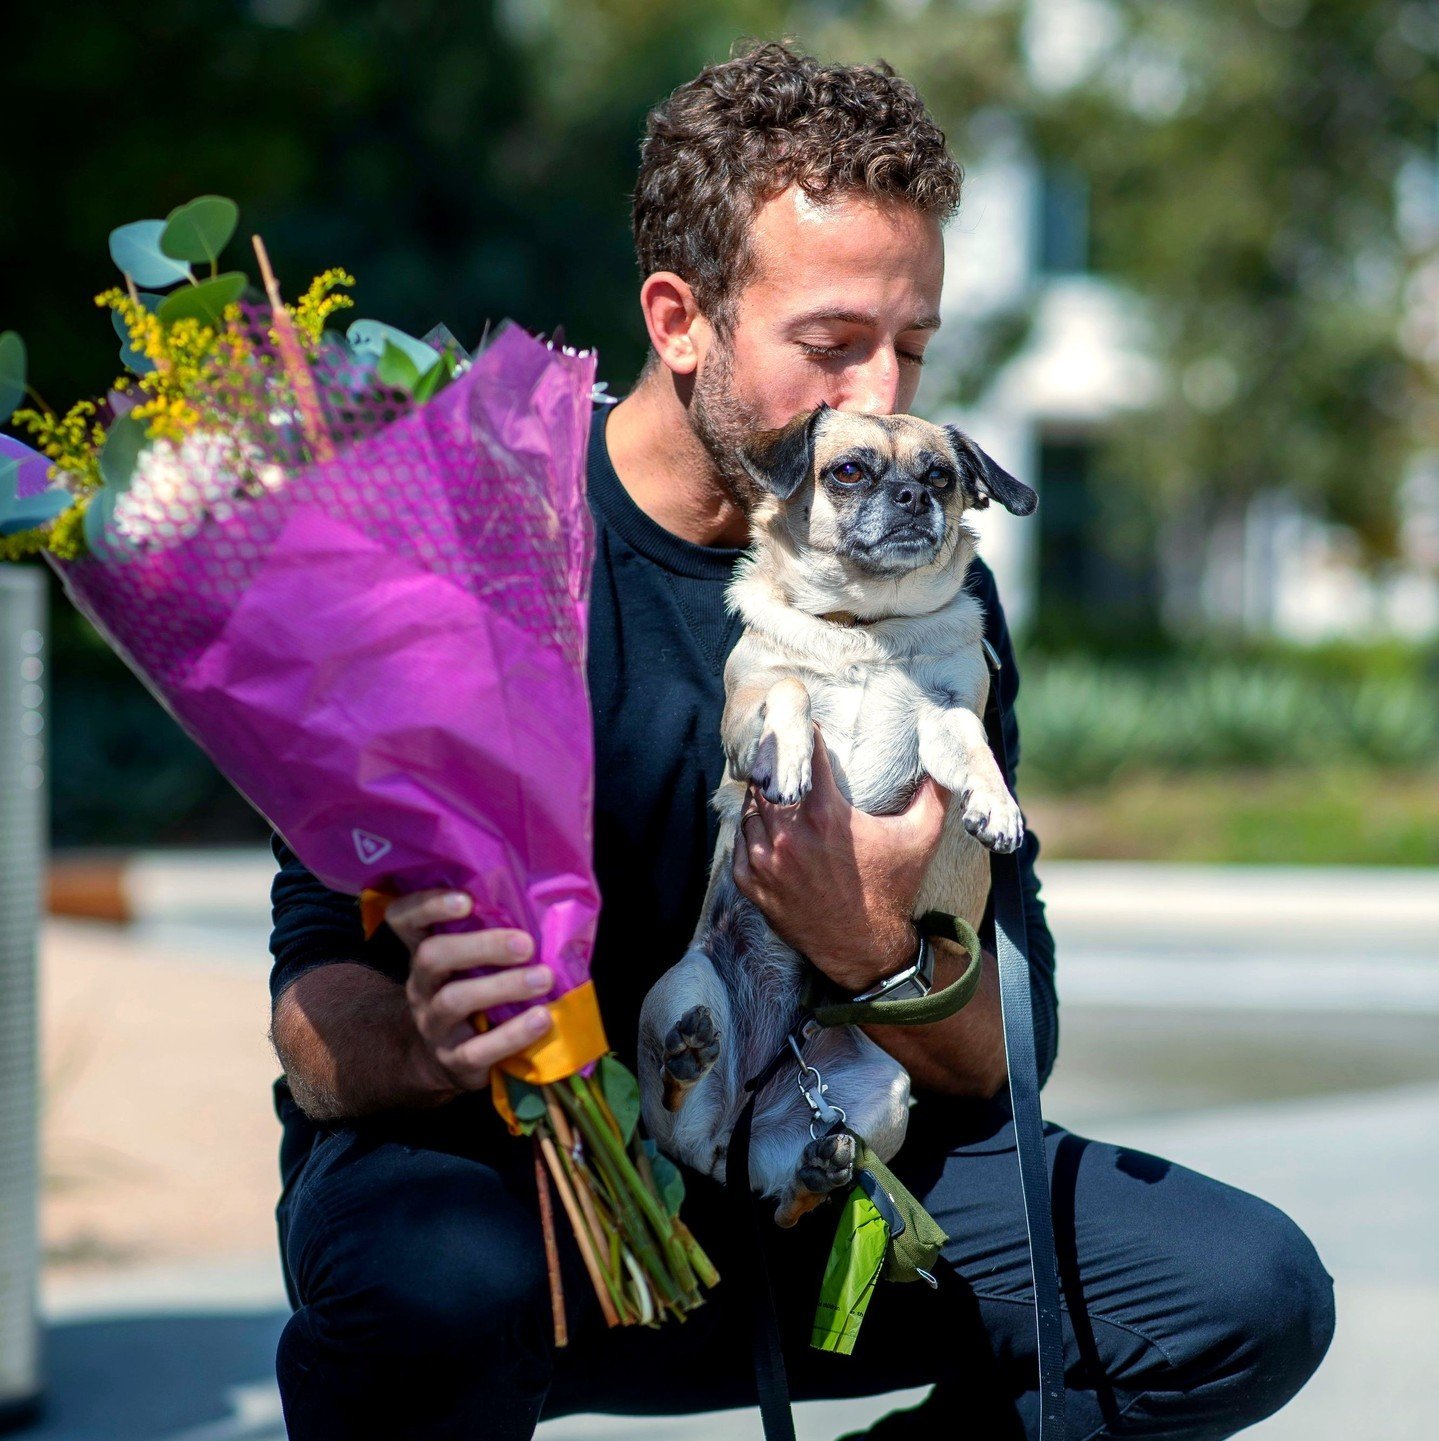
(175,488)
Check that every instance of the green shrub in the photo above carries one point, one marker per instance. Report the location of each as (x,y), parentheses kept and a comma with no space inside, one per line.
(1084,722)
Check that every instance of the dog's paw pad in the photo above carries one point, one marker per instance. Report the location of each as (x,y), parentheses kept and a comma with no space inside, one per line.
(692,1045)
(827,1163)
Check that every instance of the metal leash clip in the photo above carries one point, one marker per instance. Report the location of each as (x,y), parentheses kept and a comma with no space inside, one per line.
(826,1113)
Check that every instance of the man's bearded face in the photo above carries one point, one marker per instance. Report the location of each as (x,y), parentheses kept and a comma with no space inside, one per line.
(723,421)
(841,301)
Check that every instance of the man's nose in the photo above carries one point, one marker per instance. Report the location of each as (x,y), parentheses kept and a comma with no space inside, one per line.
(872,388)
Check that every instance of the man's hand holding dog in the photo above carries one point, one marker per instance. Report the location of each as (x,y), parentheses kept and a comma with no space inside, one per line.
(840,886)
(837,884)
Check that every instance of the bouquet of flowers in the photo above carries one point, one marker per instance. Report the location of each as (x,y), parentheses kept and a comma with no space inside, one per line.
(355,569)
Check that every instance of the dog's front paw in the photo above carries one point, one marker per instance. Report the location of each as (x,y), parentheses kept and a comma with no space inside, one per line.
(691,1047)
(992,817)
(781,766)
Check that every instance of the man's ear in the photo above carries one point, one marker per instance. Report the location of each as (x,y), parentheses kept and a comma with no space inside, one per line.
(984,478)
(781,460)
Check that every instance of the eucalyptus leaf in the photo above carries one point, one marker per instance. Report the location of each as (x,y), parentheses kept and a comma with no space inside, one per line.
(135,249)
(369,337)
(669,1181)
(396,370)
(204,302)
(97,524)
(199,230)
(133,361)
(12,373)
(123,444)
(621,1093)
(438,375)
(527,1102)
(33,510)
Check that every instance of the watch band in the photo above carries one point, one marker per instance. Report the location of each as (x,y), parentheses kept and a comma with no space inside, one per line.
(913,981)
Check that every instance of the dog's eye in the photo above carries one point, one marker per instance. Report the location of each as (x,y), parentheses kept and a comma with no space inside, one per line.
(939,477)
(848,472)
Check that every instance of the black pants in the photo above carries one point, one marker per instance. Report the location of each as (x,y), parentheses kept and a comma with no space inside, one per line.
(414,1259)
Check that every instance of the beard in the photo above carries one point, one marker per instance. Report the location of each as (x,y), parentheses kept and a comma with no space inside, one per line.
(723,422)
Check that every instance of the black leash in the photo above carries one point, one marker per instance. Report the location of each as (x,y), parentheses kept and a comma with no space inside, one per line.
(1011,948)
(768,1353)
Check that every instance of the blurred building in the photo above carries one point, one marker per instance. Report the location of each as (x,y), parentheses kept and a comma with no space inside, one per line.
(1020,248)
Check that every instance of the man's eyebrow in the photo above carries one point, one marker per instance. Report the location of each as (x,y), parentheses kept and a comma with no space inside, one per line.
(859,317)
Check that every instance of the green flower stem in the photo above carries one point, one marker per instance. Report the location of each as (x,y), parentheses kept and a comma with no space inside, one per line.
(704,1267)
(699,1263)
(628,1188)
(612,1272)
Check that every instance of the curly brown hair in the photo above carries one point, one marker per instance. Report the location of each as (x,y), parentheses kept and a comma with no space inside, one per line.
(744,130)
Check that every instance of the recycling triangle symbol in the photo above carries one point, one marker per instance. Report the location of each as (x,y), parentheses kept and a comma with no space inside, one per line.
(370,848)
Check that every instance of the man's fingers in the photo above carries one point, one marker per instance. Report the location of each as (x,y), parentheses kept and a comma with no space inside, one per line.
(927,806)
(437,959)
(411,916)
(457,1002)
(824,792)
(756,819)
(751,843)
(471,1060)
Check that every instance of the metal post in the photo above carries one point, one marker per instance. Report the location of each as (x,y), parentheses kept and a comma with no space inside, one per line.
(24,839)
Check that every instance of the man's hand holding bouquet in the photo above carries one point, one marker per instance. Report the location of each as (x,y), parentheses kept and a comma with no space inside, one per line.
(354,568)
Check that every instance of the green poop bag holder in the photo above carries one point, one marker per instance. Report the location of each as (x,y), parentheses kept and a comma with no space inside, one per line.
(883,1232)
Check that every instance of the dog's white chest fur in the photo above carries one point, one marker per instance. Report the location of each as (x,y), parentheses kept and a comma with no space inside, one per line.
(871,688)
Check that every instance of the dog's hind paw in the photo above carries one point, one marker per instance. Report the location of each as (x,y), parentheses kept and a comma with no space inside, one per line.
(691,1047)
(827,1163)
(993,819)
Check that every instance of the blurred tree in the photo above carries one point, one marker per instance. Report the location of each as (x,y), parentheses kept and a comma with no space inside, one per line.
(1264,175)
(1245,161)
(1248,161)
(465,162)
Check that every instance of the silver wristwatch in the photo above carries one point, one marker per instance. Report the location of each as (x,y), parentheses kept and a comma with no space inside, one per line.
(917,979)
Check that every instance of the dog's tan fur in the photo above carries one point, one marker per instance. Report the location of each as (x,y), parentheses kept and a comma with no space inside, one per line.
(882,648)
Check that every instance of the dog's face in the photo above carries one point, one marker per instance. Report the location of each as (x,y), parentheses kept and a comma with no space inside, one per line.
(884,494)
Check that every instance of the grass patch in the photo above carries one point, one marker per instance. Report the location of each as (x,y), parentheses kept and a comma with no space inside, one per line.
(1329,816)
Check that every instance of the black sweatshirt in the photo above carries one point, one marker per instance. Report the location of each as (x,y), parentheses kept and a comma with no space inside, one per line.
(658,640)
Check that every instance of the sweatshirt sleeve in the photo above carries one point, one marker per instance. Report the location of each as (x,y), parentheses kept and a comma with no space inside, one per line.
(313,926)
(981,584)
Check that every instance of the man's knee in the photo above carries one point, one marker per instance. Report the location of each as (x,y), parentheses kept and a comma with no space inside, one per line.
(1270,1305)
(441,1262)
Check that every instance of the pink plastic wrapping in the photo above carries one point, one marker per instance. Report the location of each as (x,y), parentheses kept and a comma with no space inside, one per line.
(386,653)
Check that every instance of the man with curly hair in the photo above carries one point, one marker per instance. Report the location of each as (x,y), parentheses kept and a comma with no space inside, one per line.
(788,224)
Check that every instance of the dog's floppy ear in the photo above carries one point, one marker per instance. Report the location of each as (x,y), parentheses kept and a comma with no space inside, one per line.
(984,478)
(780,460)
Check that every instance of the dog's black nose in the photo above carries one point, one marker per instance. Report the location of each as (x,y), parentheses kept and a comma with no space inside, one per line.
(908,496)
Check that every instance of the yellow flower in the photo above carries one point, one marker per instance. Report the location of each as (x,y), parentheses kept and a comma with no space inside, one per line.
(317,304)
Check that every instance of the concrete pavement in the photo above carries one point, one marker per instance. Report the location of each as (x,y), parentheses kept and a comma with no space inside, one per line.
(1277,1029)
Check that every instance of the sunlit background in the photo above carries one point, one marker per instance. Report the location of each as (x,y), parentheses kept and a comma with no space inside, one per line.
(1192,297)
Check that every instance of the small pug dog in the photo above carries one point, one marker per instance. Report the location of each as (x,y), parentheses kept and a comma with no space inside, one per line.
(856,618)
